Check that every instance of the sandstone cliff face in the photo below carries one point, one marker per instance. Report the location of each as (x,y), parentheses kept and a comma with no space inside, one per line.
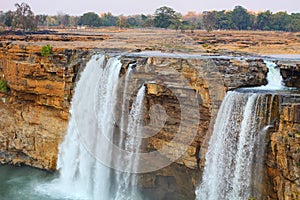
(283,156)
(206,81)
(34,112)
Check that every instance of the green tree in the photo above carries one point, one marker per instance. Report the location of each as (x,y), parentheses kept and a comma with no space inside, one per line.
(294,24)
(241,18)
(224,20)
(132,22)
(280,21)
(109,20)
(41,19)
(2,17)
(264,20)
(9,17)
(90,19)
(46,50)
(164,17)
(144,17)
(147,21)
(24,18)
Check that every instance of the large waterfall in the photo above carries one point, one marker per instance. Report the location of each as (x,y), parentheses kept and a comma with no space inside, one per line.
(86,157)
(233,168)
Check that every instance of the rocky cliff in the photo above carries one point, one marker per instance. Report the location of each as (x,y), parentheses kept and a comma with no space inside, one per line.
(34,111)
(282,179)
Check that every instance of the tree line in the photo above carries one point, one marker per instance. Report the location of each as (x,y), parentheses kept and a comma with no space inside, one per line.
(164,17)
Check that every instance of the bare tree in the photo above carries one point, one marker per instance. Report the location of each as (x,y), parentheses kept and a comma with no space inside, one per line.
(24,17)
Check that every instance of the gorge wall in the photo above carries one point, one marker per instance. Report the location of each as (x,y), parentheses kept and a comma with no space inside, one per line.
(34,112)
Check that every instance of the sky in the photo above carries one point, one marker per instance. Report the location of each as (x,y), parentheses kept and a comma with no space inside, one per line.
(130,7)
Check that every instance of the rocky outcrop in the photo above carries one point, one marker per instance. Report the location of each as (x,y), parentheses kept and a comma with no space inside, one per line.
(34,110)
(283,156)
(205,80)
(290,72)
(258,42)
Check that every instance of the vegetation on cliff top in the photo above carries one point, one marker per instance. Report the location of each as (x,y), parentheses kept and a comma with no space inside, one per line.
(164,17)
(46,50)
(3,85)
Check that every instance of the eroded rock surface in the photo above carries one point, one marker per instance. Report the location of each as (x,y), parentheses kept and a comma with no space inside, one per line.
(34,111)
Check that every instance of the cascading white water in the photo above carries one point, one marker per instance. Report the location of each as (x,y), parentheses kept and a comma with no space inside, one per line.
(132,142)
(238,133)
(228,161)
(80,172)
(91,130)
(274,77)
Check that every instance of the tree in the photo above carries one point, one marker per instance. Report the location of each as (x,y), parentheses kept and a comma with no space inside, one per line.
(63,19)
(90,19)
(24,17)
(164,17)
(280,21)
(209,20)
(108,19)
(2,17)
(132,22)
(193,19)
(294,24)
(241,18)
(147,21)
(51,21)
(74,20)
(224,20)
(122,21)
(41,19)
(264,20)
(9,17)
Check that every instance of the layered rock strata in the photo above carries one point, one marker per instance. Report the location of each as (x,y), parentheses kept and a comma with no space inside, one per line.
(34,111)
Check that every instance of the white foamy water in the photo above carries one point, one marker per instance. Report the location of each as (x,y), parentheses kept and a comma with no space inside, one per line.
(87,153)
(235,155)
(274,78)
(127,181)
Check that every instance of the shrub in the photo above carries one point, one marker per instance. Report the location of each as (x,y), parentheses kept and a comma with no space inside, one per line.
(3,85)
(46,50)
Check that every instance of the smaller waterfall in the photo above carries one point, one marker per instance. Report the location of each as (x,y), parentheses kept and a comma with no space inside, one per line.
(132,141)
(234,161)
(274,77)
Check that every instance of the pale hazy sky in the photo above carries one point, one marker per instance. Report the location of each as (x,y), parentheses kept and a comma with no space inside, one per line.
(129,7)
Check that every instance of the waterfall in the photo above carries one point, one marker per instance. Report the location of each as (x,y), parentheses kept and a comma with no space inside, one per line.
(132,143)
(238,133)
(86,155)
(234,161)
(274,77)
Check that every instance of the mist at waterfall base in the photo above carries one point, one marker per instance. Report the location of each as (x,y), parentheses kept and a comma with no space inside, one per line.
(235,156)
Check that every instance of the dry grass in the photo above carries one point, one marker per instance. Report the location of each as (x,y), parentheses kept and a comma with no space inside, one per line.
(200,42)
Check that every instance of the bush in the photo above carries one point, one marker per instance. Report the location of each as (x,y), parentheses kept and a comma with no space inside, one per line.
(3,85)
(46,50)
